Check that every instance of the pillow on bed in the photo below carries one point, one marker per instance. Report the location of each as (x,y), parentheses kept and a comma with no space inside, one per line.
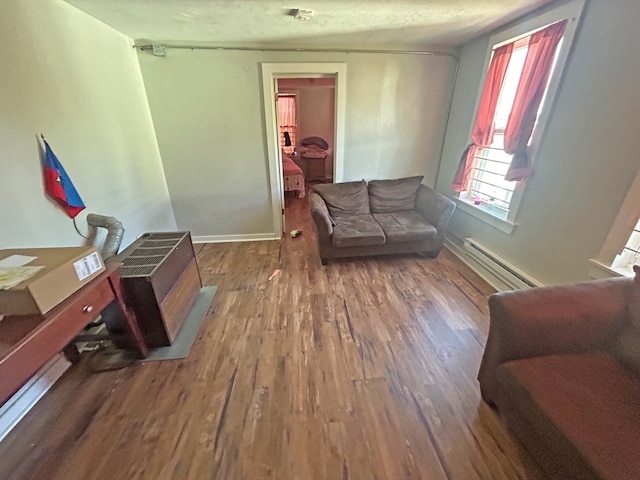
(314,141)
(314,154)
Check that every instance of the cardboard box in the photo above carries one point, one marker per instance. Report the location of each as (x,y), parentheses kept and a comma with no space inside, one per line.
(66,269)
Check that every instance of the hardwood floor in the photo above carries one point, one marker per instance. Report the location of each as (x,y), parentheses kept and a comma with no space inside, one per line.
(363,369)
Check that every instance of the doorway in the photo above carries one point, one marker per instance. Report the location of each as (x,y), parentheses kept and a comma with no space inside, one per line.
(298,79)
(306,123)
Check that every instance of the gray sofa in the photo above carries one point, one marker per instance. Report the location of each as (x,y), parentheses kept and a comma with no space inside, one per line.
(355,219)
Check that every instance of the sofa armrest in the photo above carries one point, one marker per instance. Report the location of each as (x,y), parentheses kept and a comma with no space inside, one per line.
(320,215)
(552,320)
(436,208)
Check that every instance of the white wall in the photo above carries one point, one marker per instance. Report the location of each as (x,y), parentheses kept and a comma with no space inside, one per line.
(586,161)
(77,81)
(208,114)
(316,117)
(316,112)
(396,115)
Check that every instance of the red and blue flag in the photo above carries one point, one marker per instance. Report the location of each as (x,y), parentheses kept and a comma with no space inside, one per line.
(58,185)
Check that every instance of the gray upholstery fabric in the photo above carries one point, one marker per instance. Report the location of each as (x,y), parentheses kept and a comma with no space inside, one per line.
(405,226)
(357,231)
(394,195)
(627,346)
(349,198)
(431,209)
(322,220)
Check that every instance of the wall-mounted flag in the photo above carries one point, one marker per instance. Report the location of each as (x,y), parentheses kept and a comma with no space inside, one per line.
(58,185)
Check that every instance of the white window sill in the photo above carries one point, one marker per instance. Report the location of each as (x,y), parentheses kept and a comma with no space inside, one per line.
(487,215)
(598,270)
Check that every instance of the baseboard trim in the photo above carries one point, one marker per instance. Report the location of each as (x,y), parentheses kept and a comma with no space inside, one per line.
(24,399)
(249,237)
(484,273)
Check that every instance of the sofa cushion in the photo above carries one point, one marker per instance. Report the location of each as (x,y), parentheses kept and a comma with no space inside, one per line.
(349,198)
(357,231)
(585,406)
(393,195)
(407,226)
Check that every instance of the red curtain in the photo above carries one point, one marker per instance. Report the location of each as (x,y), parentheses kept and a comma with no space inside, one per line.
(287,121)
(482,133)
(531,88)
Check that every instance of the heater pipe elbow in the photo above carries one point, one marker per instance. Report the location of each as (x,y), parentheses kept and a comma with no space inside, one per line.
(115,233)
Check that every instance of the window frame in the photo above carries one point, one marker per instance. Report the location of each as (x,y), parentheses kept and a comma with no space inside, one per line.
(572,11)
(295,94)
(619,234)
(629,248)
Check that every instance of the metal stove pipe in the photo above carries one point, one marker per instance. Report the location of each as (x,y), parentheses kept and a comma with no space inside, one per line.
(115,232)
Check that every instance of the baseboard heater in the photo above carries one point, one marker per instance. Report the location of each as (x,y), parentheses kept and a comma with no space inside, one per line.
(511,276)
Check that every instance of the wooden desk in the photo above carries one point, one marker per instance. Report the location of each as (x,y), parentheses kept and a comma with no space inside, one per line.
(28,342)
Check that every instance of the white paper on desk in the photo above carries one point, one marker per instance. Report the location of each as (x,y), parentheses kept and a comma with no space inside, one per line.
(10,277)
(16,261)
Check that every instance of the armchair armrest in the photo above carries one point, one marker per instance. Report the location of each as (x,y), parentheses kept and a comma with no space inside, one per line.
(436,208)
(552,320)
(320,215)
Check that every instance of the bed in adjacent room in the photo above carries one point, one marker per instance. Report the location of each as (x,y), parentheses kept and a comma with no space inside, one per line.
(293,176)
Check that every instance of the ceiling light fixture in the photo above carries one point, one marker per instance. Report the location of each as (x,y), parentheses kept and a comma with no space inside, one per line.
(302,15)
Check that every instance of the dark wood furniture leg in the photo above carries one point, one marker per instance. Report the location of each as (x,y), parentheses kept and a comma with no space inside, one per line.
(137,338)
(28,342)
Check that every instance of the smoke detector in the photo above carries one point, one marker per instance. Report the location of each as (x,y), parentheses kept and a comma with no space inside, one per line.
(301,14)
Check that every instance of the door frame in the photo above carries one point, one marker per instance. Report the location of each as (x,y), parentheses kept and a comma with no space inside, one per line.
(271,72)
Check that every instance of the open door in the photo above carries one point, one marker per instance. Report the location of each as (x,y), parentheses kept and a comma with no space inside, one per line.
(281,192)
(270,74)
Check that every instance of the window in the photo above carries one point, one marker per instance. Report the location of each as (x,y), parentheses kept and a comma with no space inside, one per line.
(505,104)
(620,249)
(630,254)
(488,186)
(287,121)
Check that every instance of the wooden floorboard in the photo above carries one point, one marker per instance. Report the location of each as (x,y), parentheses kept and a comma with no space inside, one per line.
(361,369)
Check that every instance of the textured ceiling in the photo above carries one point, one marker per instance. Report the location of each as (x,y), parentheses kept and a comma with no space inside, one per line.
(344,23)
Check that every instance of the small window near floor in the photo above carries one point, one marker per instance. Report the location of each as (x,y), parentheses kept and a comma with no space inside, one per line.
(620,251)
(630,255)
